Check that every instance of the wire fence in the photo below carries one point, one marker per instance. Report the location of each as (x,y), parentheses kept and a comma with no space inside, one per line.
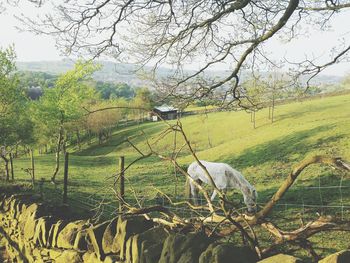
(331,200)
(304,200)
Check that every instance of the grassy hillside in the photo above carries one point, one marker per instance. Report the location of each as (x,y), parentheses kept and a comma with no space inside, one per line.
(264,155)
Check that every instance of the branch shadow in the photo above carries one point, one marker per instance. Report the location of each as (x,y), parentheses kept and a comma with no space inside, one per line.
(285,149)
(302,111)
(118,139)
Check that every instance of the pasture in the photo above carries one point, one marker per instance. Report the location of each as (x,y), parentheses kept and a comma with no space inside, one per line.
(264,155)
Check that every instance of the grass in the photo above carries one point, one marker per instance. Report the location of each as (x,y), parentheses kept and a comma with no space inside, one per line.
(264,155)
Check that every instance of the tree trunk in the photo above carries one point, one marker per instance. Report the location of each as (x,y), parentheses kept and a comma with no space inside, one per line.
(78,139)
(25,152)
(89,134)
(7,174)
(16,151)
(64,146)
(100,138)
(33,167)
(254,119)
(11,165)
(272,108)
(58,149)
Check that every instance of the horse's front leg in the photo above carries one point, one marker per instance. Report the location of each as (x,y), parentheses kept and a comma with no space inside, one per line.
(213,195)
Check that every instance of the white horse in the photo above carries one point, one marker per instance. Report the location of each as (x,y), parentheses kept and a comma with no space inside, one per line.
(224,177)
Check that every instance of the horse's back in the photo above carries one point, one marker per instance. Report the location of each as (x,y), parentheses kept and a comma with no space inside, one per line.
(216,171)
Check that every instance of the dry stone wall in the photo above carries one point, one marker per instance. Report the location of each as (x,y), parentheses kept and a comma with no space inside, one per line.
(31,234)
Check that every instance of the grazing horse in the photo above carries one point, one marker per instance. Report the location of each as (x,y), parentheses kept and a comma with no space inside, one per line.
(224,177)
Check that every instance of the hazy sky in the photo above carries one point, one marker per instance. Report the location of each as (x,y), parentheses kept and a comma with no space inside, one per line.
(31,47)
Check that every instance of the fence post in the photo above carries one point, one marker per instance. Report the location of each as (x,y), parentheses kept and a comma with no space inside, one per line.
(33,167)
(65,177)
(11,165)
(41,188)
(122,183)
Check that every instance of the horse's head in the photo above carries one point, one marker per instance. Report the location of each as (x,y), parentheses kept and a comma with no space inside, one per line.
(250,199)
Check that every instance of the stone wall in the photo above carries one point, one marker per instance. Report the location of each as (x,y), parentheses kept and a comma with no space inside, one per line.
(32,234)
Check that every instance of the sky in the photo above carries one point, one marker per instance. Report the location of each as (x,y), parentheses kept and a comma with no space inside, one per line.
(31,47)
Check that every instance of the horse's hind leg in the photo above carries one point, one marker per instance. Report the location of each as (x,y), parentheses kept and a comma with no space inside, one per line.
(194,193)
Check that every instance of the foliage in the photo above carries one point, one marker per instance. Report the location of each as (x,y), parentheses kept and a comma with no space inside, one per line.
(103,122)
(9,88)
(346,82)
(34,79)
(111,90)
(143,98)
(34,82)
(65,101)
(15,124)
(255,91)
(63,104)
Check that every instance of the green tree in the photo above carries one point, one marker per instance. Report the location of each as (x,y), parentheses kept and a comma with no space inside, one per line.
(102,123)
(254,99)
(275,88)
(111,90)
(9,88)
(64,103)
(142,102)
(16,127)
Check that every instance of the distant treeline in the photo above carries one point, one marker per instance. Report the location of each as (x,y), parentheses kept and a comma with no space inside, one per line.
(34,82)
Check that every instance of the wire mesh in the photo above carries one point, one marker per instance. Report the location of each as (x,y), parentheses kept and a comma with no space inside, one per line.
(303,201)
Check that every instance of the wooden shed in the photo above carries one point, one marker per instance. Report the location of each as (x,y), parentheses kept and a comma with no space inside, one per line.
(165,112)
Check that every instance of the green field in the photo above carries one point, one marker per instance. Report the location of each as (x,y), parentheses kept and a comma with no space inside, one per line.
(264,155)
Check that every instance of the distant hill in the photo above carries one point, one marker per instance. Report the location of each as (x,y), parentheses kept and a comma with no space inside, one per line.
(110,72)
(116,72)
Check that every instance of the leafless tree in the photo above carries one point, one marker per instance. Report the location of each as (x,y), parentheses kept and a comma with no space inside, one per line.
(229,33)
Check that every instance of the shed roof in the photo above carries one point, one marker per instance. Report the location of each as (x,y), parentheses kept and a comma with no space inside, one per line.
(165,108)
